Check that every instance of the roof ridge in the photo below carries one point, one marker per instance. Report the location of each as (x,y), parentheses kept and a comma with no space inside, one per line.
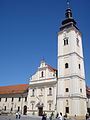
(14,85)
(14,89)
(51,68)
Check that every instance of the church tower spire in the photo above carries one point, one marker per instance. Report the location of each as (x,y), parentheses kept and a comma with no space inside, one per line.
(71,89)
(68,11)
(68,21)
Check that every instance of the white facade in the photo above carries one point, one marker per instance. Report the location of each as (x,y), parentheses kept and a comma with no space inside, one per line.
(11,103)
(71,94)
(42,91)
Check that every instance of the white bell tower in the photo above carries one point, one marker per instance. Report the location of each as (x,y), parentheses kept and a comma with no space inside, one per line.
(71,88)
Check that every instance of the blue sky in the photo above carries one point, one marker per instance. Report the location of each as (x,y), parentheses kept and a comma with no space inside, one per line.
(28,32)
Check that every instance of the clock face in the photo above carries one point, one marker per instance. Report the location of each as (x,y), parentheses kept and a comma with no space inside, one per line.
(64,34)
(67,30)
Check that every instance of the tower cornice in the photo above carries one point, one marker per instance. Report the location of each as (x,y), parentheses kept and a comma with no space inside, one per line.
(70,28)
(71,96)
(71,76)
(71,54)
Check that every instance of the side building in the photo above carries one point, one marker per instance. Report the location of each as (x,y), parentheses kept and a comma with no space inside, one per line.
(88,99)
(13,98)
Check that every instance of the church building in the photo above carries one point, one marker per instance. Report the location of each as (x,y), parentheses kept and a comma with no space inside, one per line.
(53,90)
(71,90)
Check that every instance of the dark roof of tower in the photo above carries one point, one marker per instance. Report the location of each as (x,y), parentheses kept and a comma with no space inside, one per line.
(68,21)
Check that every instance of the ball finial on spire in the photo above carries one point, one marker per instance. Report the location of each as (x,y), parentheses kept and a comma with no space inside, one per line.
(68,11)
(68,3)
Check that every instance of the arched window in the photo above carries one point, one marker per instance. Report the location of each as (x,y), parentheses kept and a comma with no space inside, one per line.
(79,66)
(49,106)
(12,99)
(81,90)
(19,99)
(6,100)
(32,106)
(65,41)
(50,91)
(77,41)
(42,74)
(66,65)
(11,109)
(41,91)
(18,108)
(67,90)
(66,102)
(5,108)
(25,99)
(33,92)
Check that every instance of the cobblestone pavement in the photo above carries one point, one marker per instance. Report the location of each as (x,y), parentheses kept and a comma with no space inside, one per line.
(24,118)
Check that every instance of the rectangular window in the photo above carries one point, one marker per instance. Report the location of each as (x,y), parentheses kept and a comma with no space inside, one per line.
(65,41)
(41,91)
(67,90)
(18,108)
(11,109)
(50,91)
(25,99)
(81,90)
(42,75)
(66,65)
(5,108)
(32,106)
(33,92)
(79,66)
(19,99)
(67,109)
(6,100)
(49,106)
(12,99)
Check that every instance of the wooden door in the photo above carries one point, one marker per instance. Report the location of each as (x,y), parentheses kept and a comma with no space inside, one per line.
(40,111)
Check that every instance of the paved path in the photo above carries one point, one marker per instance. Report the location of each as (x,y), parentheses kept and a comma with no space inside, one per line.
(23,118)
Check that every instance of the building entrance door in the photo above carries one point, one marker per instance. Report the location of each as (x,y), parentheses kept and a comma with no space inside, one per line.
(40,111)
(25,110)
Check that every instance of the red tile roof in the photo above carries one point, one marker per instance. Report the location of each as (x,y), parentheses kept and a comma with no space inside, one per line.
(14,89)
(18,89)
(51,68)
